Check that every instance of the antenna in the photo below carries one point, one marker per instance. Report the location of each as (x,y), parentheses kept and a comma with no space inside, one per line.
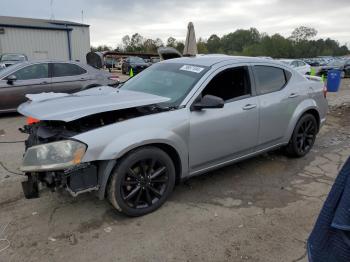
(82,16)
(52,17)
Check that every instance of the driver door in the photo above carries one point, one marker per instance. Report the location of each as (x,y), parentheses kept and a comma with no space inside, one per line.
(218,136)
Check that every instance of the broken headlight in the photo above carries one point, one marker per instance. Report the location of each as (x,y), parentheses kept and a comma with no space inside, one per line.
(53,156)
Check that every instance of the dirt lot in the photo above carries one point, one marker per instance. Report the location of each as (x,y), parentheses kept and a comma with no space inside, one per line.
(259,210)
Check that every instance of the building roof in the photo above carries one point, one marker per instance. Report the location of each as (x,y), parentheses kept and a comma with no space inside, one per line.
(22,22)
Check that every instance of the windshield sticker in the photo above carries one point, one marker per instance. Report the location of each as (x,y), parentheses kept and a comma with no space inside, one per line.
(190,68)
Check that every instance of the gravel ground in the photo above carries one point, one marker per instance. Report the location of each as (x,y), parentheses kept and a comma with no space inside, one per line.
(261,209)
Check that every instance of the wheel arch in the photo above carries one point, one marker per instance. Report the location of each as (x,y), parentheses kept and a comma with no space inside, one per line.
(308,106)
(106,167)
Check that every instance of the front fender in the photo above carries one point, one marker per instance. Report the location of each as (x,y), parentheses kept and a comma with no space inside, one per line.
(304,106)
(123,144)
(120,146)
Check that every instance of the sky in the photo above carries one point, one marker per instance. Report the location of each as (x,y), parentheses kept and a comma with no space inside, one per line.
(110,20)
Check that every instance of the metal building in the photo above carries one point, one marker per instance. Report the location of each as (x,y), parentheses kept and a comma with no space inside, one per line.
(44,39)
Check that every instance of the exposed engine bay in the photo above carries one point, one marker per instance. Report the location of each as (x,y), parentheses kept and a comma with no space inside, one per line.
(84,176)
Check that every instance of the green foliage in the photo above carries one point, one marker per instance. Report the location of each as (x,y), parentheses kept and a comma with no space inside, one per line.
(101,48)
(251,42)
(202,46)
(303,33)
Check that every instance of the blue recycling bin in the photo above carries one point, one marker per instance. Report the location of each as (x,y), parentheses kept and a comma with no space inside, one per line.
(333,80)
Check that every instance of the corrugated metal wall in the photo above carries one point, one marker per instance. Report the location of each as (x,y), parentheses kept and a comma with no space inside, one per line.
(35,43)
(46,44)
(80,42)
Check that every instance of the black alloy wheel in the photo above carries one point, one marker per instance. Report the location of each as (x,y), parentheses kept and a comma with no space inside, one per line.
(142,182)
(303,137)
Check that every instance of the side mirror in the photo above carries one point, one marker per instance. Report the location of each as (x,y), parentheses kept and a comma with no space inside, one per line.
(209,101)
(11,79)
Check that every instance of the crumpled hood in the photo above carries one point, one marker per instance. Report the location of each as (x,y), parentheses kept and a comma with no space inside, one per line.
(68,107)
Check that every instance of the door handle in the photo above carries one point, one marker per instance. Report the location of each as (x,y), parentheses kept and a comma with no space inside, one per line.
(44,82)
(292,95)
(249,106)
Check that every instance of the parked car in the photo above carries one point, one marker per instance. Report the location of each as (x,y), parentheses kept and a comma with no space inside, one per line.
(11,59)
(342,65)
(155,60)
(120,63)
(136,63)
(111,62)
(179,118)
(298,65)
(47,76)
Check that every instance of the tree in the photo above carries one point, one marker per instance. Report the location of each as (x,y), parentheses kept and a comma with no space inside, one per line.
(126,41)
(150,46)
(180,46)
(243,42)
(303,33)
(136,42)
(213,44)
(159,42)
(201,46)
(171,42)
(234,43)
(101,48)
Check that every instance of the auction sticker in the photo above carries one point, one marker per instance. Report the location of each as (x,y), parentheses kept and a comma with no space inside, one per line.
(190,68)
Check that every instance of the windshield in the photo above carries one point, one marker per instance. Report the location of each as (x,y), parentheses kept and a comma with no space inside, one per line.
(12,57)
(173,81)
(135,59)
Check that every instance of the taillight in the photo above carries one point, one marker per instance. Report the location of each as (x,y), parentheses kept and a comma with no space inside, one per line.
(31,120)
(325,91)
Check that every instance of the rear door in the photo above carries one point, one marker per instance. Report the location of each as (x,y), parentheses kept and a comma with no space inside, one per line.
(68,78)
(30,79)
(278,100)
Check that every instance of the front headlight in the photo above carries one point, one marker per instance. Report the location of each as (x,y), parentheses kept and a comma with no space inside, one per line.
(53,156)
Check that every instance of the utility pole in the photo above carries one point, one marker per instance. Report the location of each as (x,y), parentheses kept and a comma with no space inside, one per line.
(52,16)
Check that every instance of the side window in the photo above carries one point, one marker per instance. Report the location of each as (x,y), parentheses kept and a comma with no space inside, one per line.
(32,72)
(270,79)
(229,84)
(64,69)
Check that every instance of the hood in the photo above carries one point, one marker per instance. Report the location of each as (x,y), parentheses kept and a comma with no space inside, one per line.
(69,107)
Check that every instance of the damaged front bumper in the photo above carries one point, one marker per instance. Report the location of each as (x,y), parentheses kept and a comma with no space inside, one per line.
(76,180)
(54,160)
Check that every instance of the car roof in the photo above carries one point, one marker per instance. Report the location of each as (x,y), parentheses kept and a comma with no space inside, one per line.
(210,60)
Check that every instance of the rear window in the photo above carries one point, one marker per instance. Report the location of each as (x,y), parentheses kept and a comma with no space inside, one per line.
(270,79)
(64,69)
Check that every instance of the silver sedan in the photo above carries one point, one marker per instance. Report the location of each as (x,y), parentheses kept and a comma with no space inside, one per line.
(179,118)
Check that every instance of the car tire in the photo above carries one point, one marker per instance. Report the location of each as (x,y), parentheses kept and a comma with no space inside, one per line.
(142,181)
(303,137)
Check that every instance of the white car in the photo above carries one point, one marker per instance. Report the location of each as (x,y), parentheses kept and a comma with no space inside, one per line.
(298,65)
